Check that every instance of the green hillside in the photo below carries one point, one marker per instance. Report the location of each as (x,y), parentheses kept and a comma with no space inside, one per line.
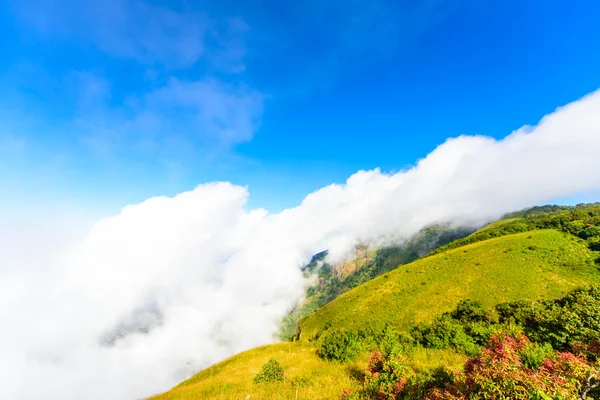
(307,377)
(334,280)
(525,266)
(233,378)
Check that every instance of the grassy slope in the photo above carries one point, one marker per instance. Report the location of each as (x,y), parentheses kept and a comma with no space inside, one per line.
(529,265)
(308,377)
(498,224)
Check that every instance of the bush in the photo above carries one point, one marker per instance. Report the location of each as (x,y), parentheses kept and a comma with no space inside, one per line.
(516,312)
(386,376)
(594,245)
(271,372)
(532,356)
(446,333)
(470,311)
(339,346)
(465,329)
(390,377)
(391,341)
(500,372)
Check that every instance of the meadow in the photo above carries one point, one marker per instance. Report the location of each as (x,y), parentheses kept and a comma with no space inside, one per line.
(526,266)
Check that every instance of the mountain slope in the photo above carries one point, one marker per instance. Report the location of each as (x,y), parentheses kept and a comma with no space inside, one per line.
(307,376)
(525,266)
(233,378)
(330,281)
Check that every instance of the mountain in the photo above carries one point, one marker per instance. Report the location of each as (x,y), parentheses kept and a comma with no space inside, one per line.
(526,281)
(524,266)
(331,281)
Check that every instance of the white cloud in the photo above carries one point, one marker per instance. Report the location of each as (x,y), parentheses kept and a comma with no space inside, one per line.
(171,285)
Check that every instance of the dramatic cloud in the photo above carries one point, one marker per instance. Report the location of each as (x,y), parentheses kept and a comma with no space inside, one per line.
(172,285)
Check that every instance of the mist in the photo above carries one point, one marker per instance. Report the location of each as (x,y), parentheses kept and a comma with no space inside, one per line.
(135,303)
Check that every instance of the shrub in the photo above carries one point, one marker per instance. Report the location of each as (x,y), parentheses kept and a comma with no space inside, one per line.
(470,311)
(532,356)
(446,332)
(499,372)
(590,232)
(350,395)
(510,367)
(386,376)
(594,245)
(574,318)
(339,346)
(271,372)
(390,377)
(394,342)
(516,312)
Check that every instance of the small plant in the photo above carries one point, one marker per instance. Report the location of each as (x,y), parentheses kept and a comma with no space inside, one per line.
(348,394)
(271,372)
(339,346)
(300,381)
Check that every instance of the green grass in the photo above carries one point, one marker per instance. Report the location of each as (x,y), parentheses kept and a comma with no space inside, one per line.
(498,224)
(312,377)
(526,266)
(307,376)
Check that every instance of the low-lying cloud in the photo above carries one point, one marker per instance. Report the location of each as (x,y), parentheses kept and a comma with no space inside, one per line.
(171,285)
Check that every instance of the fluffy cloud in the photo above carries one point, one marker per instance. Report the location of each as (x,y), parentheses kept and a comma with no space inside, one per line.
(171,285)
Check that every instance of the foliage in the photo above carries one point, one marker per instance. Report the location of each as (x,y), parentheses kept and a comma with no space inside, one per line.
(340,346)
(572,319)
(582,220)
(510,367)
(446,333)
(350,395)
(330,285)
(391,341)
(386,376)
(464,329)
(499,372)
(532,355)
(562,324)
(526,266)
(270,372)
(392,377)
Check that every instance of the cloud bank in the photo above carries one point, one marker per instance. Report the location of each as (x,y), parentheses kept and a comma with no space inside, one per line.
(171,285)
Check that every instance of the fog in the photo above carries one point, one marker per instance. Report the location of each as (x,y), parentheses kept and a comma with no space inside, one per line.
(145,298)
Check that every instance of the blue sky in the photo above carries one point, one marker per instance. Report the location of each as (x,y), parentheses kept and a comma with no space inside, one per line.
(105,103)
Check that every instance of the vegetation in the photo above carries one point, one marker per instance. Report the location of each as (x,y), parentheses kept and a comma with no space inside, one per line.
(509,367)
(332,281)
(271,372)
(553,365)
(563,323)
(582,220)
(308,376)
(527,266)
(339,346)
